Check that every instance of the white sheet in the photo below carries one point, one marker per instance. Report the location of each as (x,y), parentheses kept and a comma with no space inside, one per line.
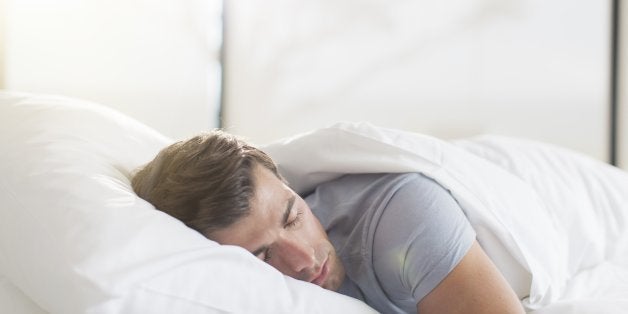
(546,216)
(13,301)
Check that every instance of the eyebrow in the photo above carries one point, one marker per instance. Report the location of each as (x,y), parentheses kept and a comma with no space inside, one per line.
(284,221)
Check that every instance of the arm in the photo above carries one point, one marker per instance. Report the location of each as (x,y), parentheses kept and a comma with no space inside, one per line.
(475,285)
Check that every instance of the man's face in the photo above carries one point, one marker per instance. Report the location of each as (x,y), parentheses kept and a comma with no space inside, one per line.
(282,231)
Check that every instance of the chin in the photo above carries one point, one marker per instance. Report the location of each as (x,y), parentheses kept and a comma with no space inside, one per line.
(336,277)
(333,285)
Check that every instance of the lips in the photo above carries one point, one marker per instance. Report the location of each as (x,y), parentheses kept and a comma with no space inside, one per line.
(320,278)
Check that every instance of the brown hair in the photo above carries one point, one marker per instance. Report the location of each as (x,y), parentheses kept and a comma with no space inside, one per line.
(206,181)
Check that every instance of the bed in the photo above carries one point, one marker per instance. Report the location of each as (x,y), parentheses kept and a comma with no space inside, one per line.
(74,238)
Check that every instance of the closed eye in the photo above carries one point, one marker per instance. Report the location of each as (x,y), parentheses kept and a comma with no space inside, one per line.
(295,221)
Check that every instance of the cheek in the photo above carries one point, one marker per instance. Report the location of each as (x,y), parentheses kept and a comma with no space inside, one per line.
(311,224)
(314,227)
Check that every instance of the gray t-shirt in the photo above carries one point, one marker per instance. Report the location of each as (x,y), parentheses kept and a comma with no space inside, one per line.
(398,235)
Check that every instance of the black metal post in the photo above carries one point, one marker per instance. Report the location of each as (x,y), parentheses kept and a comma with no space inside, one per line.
(614,83)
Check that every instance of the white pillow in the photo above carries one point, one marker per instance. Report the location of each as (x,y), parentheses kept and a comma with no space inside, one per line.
(13,301)
(76,239)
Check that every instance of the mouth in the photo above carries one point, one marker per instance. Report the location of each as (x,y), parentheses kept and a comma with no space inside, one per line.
(320,278)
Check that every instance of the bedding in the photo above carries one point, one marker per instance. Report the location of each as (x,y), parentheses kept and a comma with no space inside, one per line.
(13,301)
(74,238)
(555,222)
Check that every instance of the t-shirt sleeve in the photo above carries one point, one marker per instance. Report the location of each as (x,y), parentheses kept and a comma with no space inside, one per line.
(420,237)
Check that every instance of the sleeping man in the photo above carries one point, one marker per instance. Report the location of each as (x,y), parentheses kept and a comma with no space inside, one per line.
(399,242)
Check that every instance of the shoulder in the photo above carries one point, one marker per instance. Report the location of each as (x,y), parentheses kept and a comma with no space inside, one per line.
(356,194)
(420,211)
(419,238)
(418,199)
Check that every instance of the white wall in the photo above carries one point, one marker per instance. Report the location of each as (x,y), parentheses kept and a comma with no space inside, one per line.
(155,60)
(529,68)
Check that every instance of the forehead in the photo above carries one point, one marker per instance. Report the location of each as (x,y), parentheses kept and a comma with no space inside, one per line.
(267,208)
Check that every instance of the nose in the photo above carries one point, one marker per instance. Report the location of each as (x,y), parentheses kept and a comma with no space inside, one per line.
(296,254)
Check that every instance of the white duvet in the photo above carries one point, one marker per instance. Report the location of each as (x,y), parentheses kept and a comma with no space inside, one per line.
(74,238)
(555,222)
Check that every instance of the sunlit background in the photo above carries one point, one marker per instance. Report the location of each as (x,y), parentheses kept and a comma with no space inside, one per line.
(268,69)
(156,60)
